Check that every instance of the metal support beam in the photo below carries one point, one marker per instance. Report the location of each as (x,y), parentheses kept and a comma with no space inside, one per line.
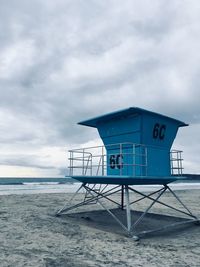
(173,193)
(128,210)
(149,207)
(122,197)
(106,193)
(108,210)
(67,204)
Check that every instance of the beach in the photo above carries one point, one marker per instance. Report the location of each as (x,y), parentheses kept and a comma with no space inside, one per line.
(31,235)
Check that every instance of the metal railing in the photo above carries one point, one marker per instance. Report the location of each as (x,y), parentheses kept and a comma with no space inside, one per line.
(117,159)
(120,157)
(176,162)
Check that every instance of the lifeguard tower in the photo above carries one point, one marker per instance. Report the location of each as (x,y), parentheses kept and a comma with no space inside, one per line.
(136,150)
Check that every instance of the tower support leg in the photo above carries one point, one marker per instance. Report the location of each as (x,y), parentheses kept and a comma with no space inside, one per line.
(122,197)
(128,209)
(129,227)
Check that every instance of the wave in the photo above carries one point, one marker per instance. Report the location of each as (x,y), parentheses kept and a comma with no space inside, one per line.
(41,183)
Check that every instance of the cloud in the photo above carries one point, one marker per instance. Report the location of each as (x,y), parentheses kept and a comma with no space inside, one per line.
(62,62)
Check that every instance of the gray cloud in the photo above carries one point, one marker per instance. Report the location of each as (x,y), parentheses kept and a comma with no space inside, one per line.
(64,61)
(24,161)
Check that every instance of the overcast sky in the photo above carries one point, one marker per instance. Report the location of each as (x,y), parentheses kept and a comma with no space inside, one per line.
(65,61)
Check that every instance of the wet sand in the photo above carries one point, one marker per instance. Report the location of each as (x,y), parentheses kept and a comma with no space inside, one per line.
(31,235)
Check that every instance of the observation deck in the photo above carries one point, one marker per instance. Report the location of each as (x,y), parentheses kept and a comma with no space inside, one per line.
(128,162)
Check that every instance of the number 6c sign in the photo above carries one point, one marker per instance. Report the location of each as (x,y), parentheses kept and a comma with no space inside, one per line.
(159,131)
(116,161)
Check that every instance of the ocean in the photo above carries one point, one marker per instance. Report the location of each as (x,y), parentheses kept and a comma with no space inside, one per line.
(37,185)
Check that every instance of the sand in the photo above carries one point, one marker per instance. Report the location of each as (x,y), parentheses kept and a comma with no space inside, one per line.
(31,235)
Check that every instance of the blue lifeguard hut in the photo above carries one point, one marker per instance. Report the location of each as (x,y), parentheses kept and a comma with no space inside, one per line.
(136,150)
